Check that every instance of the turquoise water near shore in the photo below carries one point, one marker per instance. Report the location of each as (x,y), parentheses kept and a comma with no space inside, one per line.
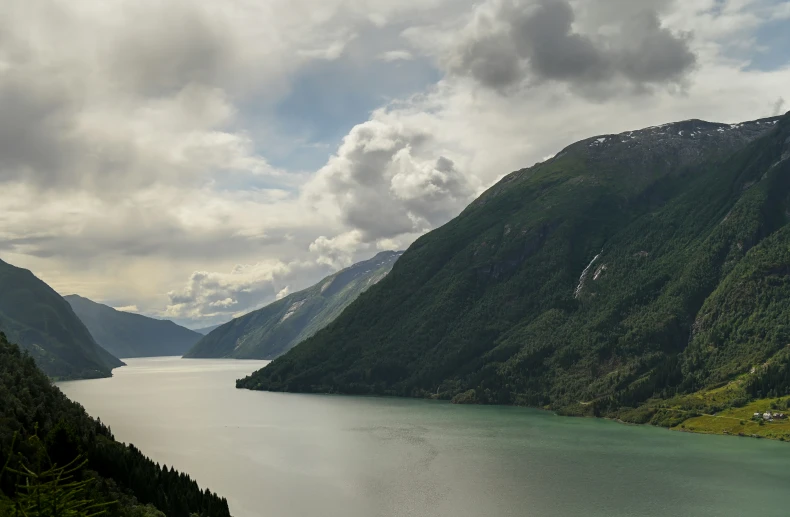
(286,455)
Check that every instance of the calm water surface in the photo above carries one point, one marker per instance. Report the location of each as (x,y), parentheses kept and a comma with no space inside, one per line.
(283,455)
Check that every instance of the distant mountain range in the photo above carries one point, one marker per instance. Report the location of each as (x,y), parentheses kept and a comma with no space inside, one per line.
(206,330)
(273,330)
(625,273)
(33,315)
(125,334)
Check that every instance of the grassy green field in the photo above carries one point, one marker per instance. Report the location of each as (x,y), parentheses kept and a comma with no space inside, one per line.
(738,421)
(728,409)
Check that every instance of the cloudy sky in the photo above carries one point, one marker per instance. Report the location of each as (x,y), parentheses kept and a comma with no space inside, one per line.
(196,159)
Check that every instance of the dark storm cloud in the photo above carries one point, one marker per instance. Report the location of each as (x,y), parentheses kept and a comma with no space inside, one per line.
(491,60)
(177,47)
(652,54)
(35,246)
(536,41)
(164,239)
(545,37)
(33,126)
(52,135)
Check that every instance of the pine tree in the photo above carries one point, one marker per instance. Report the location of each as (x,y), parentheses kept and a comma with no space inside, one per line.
(51,491)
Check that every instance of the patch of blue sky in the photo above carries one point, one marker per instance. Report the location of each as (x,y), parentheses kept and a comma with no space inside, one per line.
(330,97)
(773,45)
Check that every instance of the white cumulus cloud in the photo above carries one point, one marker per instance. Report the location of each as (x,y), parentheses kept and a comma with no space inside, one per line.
(138,141)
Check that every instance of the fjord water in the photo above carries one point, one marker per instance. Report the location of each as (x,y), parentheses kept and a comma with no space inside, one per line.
(285,455)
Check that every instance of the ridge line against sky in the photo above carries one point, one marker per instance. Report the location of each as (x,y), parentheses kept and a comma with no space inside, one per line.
(193,160)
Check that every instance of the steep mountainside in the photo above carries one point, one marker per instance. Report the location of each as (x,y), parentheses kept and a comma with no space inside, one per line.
(33,315)
(132,335)
(278,327)
(37,419)
(628,267)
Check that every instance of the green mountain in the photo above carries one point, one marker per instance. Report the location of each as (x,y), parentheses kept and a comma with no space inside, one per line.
(132,335)
(43,323)
(626,270)
(38,424)
(280,326)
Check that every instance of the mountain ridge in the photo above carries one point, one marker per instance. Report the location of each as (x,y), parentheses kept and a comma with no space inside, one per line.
(206,330)
(126,334)
(44,324)
(495,307)
(272,330)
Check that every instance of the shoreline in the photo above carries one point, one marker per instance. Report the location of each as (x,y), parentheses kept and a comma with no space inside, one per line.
(782,427)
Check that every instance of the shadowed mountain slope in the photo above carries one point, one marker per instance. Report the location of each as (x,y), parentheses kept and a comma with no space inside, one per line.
(33,315)
(132,335)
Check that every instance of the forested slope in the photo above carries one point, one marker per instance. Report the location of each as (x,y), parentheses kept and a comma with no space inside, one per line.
(37,420)
(33,315)
(629,267)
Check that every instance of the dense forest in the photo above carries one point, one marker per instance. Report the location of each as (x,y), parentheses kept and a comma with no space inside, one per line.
(273,330)
(42,432)
(627,268)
